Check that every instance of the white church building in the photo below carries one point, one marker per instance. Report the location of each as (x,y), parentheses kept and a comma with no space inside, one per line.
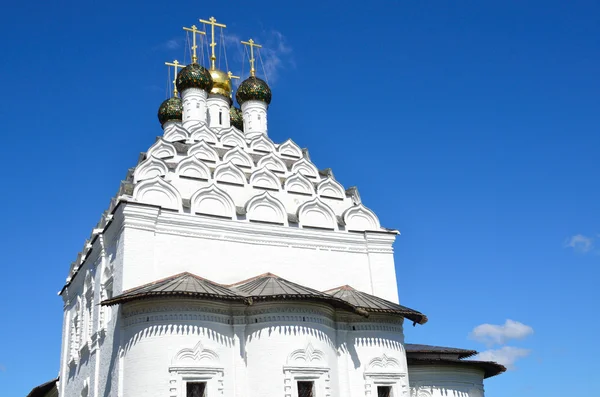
(231,265)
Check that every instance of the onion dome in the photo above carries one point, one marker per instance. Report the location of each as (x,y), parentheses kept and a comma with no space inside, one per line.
(253,89)
(221,83)
(170,110)
(236,118)
(194,76)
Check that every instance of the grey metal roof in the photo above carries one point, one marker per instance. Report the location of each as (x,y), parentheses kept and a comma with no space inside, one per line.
(375,304)
(183,285)
(43,389)
(412,349)
(489,368)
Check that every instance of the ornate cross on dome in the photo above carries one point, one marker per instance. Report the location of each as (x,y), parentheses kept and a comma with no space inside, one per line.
(251,44)
(213,22)
(176,65)
(194,31)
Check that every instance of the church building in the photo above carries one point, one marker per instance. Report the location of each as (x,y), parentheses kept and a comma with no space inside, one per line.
(229,265)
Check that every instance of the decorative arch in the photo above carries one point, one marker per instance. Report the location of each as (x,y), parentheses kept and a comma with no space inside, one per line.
(290,149)
(315,213)
(201,132)
(273,163)
(162,150)
(174,132)
(306,168)
(211,200)
(262,144)
(193,167)
(331,188)
(360,218)
(298,183)
(150,168)
(204,151)
(238,157)
(157,192)
(308,356)
(384,362)
(233,138)
(265,178)
(229,173)
(266,208)
(196,355)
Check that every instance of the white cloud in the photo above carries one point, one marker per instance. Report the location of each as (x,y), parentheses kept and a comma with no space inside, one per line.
(492,334)
(580,243)
(506,355)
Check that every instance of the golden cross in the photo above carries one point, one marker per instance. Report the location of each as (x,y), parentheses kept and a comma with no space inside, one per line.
(213,22)
(175,65)
(252,45)
(194,31)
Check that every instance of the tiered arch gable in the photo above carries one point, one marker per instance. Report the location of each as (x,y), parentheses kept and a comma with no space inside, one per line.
(238,157)
(157,191)
(201,132)
(175,132)
(212,201)
(262,144)
(150,168)
(162,150)
(232,139)
(273,163)
(290,149)
(360,218)
(264,178)
(204,151)
(315,213)
(298,183)
(193,167)
(195,356)
(331,188)
(306,168)
(266,208)
(229,173)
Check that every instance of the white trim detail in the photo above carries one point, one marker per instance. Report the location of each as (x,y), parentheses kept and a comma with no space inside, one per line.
(203,151)
(174,131)
(192,167)
(315,213)
(201,132)
(213,201)
(194,355)
(195,365)
(239,157)
(306,356)
(265,178)
(306,168)
(331,188)
(229,173)
(262,144)
(360,218)
(298,183)
(157,191)
(272,162)
(162,149)
(150,168)
(266,208)
(290,149)
(232,138)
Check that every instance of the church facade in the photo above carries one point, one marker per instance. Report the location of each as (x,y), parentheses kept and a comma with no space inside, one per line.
(231,265)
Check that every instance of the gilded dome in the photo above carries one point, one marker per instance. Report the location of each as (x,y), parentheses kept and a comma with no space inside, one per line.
(170,110)
(236,118)
(255,89)
(194,76)
(221,83)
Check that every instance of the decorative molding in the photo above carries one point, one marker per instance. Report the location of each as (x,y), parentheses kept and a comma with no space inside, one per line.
(290,149)
(383,362)
(193,167)
(266,208)
(195,356)
(238,157)
(331,188)
(233,138)
(175,132)
(306,168)
(298,183)
(262,144)
(201,132)
(162,149)
(360,218)
(229,173)
(150,168)
(273,163)
(307,356)
(315,213)
(265,178)
(204,151)
(156,191)
(211,200)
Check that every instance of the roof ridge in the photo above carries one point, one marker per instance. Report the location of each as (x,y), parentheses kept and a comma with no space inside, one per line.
(344,287)
(267,274)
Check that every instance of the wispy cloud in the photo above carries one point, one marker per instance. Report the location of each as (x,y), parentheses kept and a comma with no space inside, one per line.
(580,243)
(170,45)
(276,55)
(506,355)
(492,334)
(2,368)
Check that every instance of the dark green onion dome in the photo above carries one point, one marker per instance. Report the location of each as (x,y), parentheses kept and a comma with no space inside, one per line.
(236,118)
(170,110)
(253,89)
(194,76)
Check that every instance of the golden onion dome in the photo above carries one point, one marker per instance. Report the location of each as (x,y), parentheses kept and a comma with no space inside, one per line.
(221,83)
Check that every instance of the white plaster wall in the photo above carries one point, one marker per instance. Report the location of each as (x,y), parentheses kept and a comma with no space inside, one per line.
(255,118)
(194,106)
(216,104)
(445,381)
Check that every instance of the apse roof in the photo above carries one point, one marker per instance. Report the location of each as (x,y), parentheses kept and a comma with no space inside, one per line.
(490,368)
(43,389)
(375,304)
(416,348)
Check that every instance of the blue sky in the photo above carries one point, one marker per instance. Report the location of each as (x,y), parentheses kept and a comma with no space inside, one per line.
(471,126)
